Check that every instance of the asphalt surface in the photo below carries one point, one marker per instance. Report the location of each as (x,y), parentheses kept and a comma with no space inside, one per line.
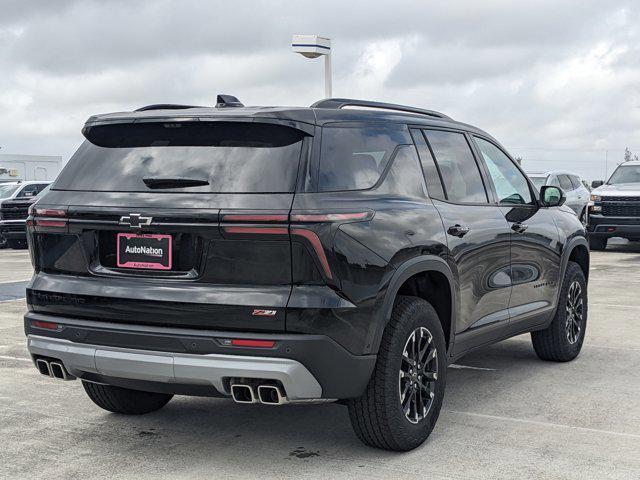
(506,414)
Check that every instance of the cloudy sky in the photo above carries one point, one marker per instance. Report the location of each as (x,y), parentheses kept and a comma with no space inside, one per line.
(556,81)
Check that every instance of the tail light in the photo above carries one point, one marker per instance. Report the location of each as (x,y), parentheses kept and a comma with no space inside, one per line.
(47,219)
(304,225)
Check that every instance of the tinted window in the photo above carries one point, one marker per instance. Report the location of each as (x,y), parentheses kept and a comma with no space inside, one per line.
(510,183)
(459,171)
(565,183)
(404,177)
(29,191)
(431,175)
(353,158)
(575,181)
(232,157)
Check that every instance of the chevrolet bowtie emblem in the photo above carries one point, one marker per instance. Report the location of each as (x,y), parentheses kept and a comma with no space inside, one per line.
(135,220)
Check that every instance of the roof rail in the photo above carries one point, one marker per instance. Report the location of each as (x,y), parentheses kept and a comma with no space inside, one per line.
(165,106)
(350,102)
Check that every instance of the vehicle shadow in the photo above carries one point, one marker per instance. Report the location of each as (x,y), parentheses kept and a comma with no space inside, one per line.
(206,430)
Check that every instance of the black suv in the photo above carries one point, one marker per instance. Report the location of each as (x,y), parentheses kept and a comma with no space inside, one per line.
(279,255)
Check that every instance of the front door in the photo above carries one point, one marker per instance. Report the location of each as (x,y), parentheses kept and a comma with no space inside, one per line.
(534,240)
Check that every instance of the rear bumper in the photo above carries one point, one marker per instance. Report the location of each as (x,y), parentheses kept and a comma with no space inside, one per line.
(184,369)
(172,360)
(606,227)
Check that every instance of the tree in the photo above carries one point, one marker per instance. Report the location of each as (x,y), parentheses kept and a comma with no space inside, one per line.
(629,156)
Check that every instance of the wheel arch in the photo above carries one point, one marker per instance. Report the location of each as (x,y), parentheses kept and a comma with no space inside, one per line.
(428,277)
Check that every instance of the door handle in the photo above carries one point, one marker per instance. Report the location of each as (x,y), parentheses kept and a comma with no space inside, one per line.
(458,231)
(519,227)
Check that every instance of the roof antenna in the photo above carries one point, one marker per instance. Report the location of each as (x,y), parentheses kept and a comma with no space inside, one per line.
(226,101)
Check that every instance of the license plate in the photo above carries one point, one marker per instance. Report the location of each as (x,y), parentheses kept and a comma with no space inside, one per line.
(147,251)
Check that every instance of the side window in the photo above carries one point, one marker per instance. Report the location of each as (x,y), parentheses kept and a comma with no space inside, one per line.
(353,158)
(40,187)
(429,169)
(29,191)
(575,181)
(404,177)
(565,183)
(510,183)
(553,180)
(459,171)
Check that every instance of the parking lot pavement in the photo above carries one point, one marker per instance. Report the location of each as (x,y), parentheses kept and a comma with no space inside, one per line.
(506,413)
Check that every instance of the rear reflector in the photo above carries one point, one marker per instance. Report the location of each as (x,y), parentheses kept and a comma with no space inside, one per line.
(240,342)
(45,325)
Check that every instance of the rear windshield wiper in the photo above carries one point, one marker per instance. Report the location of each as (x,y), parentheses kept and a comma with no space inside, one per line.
(173,182)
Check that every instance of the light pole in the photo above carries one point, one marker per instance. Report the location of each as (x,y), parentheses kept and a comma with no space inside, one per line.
(314,46)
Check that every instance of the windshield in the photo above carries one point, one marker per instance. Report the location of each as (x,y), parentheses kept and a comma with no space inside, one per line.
(198,157)
(625,174)
(7,190)
(539,182)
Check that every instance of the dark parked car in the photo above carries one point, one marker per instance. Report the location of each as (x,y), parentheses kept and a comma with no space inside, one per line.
(14,213)
(277,255)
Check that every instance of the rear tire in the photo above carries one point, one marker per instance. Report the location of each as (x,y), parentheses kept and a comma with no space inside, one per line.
(562,340)
(402,401)
(124,400)
(17,244)
(597,244)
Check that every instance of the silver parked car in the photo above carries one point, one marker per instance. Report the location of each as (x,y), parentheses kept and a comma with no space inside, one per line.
(577,194)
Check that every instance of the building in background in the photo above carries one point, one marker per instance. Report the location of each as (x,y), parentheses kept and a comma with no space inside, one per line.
(29,167)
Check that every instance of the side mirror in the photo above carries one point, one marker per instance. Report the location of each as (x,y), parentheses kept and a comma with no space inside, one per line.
(551,196)
(597,183)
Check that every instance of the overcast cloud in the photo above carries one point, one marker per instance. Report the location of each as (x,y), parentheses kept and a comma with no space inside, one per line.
(557,82)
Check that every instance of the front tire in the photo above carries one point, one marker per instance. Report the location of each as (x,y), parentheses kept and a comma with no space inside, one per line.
(597,244)
(562,340)
(402,401)
(125,400)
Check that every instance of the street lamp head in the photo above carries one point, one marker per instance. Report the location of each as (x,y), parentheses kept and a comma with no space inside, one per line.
(311,46)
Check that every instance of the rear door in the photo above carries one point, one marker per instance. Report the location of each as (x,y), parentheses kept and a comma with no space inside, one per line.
(571,193)
(180,224)
(477,232)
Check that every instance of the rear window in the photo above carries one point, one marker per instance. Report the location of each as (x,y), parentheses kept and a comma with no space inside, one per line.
(232,157)
(353,158)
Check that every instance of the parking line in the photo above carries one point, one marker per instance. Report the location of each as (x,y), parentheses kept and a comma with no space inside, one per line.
(547,424)
(469,367)
(8,357)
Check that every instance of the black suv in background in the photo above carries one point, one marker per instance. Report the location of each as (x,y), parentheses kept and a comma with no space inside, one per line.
(278,255)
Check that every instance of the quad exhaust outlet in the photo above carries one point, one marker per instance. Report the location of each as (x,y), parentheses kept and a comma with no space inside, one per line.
(265,394)
(52,369)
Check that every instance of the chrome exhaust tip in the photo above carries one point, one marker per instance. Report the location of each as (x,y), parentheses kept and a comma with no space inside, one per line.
(271,395)
(43,367)
(243,393)
(58,371)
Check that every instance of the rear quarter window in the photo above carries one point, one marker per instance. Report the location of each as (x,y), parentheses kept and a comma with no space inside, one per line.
(354,157)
